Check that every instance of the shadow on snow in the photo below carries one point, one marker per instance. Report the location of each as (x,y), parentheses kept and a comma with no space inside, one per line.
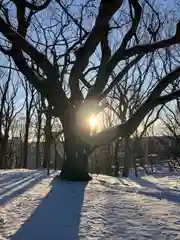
(155,191)
(16,185)
(57,216)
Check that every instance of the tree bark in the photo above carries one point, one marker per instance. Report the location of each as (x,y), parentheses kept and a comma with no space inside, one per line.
(75,166)
(38,158)
(127,161)
(3,152)
(117,158)
(55,159)
(48,141)
(108,167)
(26,137)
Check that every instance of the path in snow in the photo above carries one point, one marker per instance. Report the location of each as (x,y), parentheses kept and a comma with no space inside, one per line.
(33,207)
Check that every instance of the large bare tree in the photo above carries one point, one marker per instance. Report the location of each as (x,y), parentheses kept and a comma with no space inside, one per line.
(74,64)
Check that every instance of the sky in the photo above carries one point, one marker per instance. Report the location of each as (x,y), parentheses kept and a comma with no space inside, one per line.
(167,4)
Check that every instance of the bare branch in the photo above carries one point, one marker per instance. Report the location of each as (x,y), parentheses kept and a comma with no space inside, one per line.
(127,128)
(168,97)
(106,11)
(102,78)
(33,6)
(21,43)
(143,49)
(72,18)
(120,76)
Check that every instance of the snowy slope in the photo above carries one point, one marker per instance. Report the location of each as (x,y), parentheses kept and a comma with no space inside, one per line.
(32,206)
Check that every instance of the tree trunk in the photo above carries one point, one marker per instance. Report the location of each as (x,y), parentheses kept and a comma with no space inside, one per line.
(108,167)
(48,141)
(1,156)
(25,147)
(127,161)
(55,158)
(135,166)
(4,150)
(38,159)
(117,158)
(75,166)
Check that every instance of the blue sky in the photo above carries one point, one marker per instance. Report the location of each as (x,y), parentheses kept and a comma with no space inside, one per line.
(167,4)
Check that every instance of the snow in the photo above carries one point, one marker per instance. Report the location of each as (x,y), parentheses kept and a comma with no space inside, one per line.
(33,206)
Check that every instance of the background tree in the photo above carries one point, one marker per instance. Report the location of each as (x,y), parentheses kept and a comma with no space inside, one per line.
(29,110)
(171,128)
(9,109)
(38,127)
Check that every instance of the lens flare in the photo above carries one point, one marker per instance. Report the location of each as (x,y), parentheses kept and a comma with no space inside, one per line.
(93,122)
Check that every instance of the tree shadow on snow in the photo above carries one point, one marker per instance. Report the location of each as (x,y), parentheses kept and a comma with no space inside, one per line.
(20,184)
(145,183)
(57,216)
(171,196)
(153,185)
(160,191)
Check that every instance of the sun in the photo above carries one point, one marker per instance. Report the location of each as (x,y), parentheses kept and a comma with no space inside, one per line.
(93,122)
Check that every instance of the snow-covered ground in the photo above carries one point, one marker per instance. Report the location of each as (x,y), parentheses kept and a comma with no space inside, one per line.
(33,207)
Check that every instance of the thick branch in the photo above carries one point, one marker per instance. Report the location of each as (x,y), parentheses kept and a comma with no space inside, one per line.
(46,88)
(106,11)
(131,125)
(135,23)
(39,58)
(21,43)
(168,97)
(119,77)
(143,49)
(34,7)
(30,74)
(102,77)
